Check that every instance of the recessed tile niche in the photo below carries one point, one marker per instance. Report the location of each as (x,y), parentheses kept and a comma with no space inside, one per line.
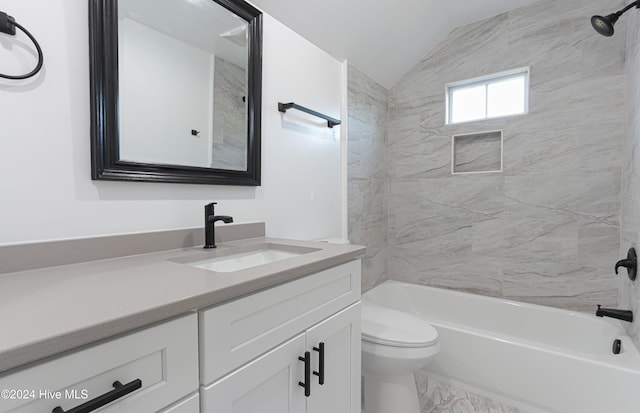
(477,152)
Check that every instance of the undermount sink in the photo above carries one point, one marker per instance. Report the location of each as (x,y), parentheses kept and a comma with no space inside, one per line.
(241,258)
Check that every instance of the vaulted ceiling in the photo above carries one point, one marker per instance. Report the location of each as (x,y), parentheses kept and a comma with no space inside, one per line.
(382,38)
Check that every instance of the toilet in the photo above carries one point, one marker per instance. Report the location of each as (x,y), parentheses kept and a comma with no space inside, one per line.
(394,345)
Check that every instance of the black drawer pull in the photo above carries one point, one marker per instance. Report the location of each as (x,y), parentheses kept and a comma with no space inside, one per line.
(320,372)
(120,390)
(307,374)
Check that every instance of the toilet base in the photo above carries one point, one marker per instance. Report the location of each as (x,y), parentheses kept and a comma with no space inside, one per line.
(390,394)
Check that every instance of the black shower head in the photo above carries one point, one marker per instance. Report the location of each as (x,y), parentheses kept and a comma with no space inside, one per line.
(604,25)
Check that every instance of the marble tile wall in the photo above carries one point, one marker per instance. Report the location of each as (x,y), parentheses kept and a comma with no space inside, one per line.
(367,159)
(229,116)
(546,229)
(630,212)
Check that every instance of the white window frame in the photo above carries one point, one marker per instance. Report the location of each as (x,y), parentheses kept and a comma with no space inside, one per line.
(487,80)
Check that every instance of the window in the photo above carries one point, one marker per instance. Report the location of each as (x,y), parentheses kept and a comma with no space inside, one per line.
(498,95)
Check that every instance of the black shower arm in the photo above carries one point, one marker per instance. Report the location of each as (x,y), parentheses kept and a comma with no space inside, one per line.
(623,11)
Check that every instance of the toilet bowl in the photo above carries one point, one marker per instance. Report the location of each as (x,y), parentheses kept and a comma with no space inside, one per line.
(394,345)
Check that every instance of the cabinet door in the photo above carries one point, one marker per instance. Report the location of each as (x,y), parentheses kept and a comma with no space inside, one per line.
(188,405)
(268,384)
(340,335)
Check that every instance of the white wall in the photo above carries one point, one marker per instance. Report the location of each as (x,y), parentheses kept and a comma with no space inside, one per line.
(301,158)
(165,92)
(162,98)
(45,187)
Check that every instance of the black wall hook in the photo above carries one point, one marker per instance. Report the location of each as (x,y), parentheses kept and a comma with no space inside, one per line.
(630,263)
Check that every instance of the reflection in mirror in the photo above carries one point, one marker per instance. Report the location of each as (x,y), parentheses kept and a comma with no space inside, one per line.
(182,93)
(183,83)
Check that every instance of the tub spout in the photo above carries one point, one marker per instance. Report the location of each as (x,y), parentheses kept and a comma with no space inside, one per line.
(624,315)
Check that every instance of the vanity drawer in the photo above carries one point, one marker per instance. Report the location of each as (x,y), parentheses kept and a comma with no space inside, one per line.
(164,358)
(234,333)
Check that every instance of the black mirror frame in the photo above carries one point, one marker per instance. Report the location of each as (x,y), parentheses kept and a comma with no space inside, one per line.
(103,56)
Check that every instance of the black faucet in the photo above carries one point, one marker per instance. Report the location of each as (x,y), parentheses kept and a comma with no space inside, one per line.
(624,315)
(210,219)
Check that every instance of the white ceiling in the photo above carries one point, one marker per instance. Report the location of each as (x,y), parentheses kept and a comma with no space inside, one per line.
(383,38)
(199,23)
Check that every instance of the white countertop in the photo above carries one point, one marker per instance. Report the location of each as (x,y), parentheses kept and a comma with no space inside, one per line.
(50,310)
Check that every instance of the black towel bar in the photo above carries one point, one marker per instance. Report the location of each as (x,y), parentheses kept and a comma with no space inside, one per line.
(331,122)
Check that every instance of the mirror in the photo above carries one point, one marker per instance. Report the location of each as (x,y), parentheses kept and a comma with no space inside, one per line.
(176,91)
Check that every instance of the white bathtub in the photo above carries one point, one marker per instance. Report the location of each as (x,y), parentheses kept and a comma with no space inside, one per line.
(537,358)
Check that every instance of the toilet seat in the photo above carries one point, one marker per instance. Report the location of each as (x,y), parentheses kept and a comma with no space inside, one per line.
(389,327)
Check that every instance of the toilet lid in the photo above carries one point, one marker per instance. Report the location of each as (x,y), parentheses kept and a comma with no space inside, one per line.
(382,325)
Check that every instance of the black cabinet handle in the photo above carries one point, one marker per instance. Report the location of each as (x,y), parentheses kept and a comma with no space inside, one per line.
(320,372)
(120,390)
(307,374)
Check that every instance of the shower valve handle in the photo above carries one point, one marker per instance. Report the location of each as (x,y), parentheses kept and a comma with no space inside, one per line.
(630,263)
(624,263)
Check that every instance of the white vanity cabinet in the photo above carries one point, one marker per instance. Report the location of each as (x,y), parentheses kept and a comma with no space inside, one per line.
(248,355)
(257,351)
(156,370)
